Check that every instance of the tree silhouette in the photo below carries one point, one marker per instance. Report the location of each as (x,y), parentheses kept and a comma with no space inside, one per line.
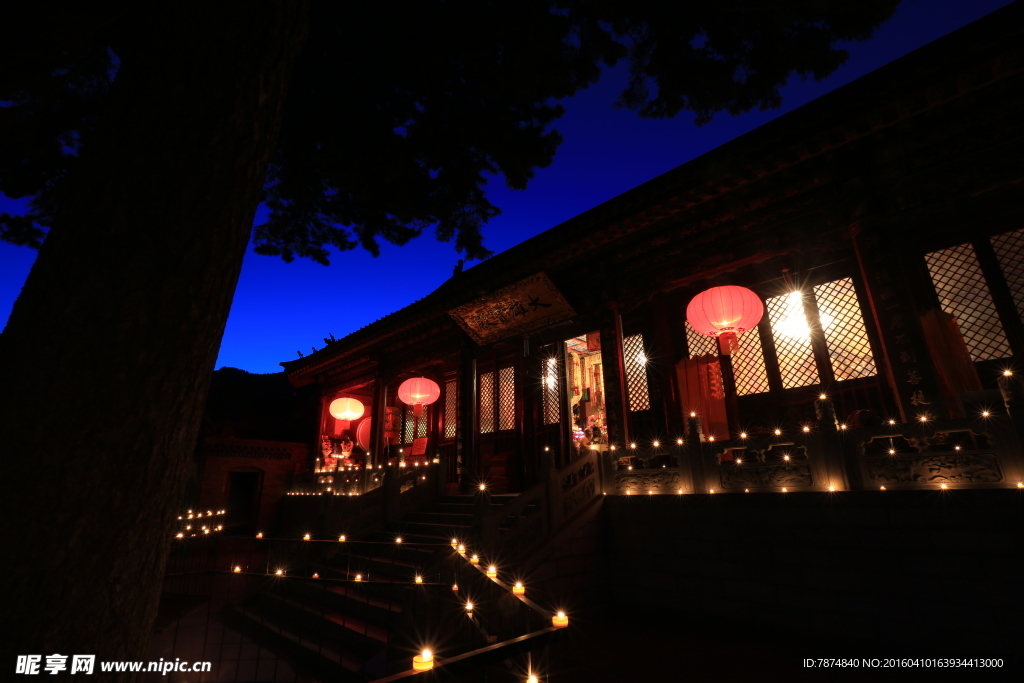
(146,135)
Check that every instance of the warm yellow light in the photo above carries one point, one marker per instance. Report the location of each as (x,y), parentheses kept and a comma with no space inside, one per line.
(985,413)
(679,442)
(469,607)
(532,679)
(956,448)
(462,549)
(279,572)
(693,413)
(346,409)
(823,396)
(455,587)
(711,438)
(842,426)
(778,432)
(786,458)
(655,443)
(612,447)
(743,435)
(423,662)
(419,579)
(892,451)
(315,575)
(632,445)
(679,491)
(455,542)
(306,537)
(492,571)
(519,589)
(180,536)
(483,487)
(475,559)
(711,491)
(806,428)
(259,535)
(238,570)
(359,577)
(398,539)
(943,486)
(1020,484)
(923,418)
(831,488)
(546,448)
(881,488)
(341,539)
(892,422)
(746,490)
(784,490)
(1007,373)
(560,620)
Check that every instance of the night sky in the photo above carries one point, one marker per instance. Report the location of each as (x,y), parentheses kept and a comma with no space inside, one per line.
(281,308)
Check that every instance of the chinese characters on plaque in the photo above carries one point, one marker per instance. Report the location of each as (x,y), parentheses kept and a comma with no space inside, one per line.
(524,306)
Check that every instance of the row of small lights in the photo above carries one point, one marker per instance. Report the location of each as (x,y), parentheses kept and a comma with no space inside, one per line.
(206,530)
(831,489)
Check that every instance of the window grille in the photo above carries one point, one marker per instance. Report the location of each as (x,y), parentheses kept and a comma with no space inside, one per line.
(1009,248)
(700,344)
(407,425)
(487,403)
(748,366)
(451,408)
(636,372)
(423,423)
(964,294)
(506,399)
(549,391)
(846,337)
(792,340)
(747,363)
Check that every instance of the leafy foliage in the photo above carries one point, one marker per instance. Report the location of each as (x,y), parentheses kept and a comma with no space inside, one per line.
(399,112)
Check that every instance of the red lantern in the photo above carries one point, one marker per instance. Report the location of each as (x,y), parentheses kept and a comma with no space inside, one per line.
(346,409)
(725,312)
(418,392)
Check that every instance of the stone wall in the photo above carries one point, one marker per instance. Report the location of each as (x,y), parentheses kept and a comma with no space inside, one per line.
(938,570)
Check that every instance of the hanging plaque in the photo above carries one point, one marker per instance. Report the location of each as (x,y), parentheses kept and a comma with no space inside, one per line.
(524,306)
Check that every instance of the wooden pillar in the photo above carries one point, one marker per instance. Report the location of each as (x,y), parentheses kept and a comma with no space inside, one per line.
(380,411)
(465,440)
(616,402)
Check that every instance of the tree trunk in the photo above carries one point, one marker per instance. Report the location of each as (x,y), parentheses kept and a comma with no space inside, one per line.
(109,350)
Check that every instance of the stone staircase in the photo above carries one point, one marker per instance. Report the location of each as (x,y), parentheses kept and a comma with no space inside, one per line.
(365,615)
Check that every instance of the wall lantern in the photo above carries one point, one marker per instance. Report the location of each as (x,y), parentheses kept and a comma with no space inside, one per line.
(346,409)
(725,312)
(418,392)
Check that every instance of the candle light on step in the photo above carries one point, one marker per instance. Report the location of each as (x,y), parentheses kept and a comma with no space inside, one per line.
(424,661)
(560,620)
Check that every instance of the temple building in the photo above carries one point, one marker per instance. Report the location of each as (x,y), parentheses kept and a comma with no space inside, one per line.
(879,230)
(769,400)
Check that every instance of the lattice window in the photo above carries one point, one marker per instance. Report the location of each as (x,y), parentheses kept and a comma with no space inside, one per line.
(549,391)
(1009,249)
(506,399)
(451,408)
(748,366)
(964,294)
(700,344)
(487,403)
(407,425)
(423,423)
(846,337)
(792,340)
(636,372)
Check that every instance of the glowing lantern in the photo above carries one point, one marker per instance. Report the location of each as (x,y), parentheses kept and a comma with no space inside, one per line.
(418,392)
(725,312)
(346,409)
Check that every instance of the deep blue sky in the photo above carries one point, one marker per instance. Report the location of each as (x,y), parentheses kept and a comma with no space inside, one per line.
(280,308)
